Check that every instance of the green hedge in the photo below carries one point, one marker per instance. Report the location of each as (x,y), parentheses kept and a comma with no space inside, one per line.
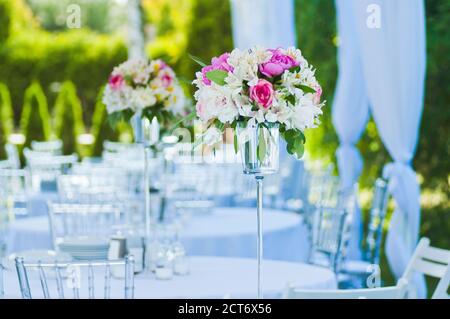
(68,118)
(6,118)
(35,119)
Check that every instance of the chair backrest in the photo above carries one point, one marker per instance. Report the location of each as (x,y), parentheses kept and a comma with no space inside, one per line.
(74,221)
(14,187)
(52,147)
(329,231)
(433,262)
(13,155)
(74,272)
(45,166)
(376,219)
(394,292)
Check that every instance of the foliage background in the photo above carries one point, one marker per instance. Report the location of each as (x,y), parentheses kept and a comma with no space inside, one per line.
(36,47)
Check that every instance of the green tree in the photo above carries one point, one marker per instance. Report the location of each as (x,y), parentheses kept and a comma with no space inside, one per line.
(6,117)
(35,119)
(209,35)
(68,117)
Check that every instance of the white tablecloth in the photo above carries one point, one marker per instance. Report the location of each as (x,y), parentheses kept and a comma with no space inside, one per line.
(227,232)
(210,277)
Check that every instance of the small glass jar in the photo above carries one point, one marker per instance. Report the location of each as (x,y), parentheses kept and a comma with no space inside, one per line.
(259,146)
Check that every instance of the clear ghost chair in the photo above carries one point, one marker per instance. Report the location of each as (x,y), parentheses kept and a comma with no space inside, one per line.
(15,185)
(330,229)
(45,167)
(191,189)
(52,147)
(83,222)
(55,276)
(358,270)
(13,155)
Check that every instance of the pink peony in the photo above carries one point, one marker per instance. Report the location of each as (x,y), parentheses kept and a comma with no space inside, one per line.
(219,63)
(277,64)
(116,82)
(262,93)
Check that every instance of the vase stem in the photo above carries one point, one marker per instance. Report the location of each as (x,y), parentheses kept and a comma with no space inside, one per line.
(147,208)
(259,252)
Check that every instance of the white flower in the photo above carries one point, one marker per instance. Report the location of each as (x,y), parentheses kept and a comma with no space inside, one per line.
(176,101)
(305,114)
(142,98)
(216,101)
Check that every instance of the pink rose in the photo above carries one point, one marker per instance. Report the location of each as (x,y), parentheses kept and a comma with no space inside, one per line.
(116,82)
(277,64)
(218,63)
(262,93)
(166,80)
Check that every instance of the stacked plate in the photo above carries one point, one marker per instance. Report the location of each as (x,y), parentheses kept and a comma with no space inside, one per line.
(86,248)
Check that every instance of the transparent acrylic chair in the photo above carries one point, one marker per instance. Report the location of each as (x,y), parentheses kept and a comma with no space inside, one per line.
(69,221)
(357,271)
(395,292)
(52,147)
(13,155)
(15,185)
(331,227)
(45,167)
(54,277)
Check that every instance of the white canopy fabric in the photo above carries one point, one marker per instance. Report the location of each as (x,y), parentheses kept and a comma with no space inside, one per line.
(393,57)
(350,111)
(266,23)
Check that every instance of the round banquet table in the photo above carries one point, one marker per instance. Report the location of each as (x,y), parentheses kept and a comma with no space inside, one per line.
(226,232)
(209,277)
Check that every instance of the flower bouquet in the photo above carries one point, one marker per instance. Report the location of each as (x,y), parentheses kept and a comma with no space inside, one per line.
(273,89)
(148,89)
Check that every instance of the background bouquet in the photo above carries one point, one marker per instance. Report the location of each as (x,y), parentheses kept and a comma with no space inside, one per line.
(259,86)
(149,89)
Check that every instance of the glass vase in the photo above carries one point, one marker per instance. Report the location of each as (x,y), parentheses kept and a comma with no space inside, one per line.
(259,147)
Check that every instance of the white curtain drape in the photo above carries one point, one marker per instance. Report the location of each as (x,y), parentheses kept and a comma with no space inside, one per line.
(268,23)
(394,62)
(350,111)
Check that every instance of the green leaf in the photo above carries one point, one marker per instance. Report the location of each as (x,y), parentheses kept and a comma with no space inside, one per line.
(295,69)
(217,76)
(306,89)
(236,145)
(197,60)
(261,146)
(291,99)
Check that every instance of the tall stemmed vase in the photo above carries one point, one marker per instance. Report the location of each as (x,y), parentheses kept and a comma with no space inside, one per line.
(259,147)
(146,133)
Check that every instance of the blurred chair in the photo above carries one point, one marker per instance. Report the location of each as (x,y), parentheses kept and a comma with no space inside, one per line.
(15,185)
(45,167)
(52,147)
(13,155)
(331,227)
(75,222)
(394,292)
(74,270)
(358,270)
(430,261)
